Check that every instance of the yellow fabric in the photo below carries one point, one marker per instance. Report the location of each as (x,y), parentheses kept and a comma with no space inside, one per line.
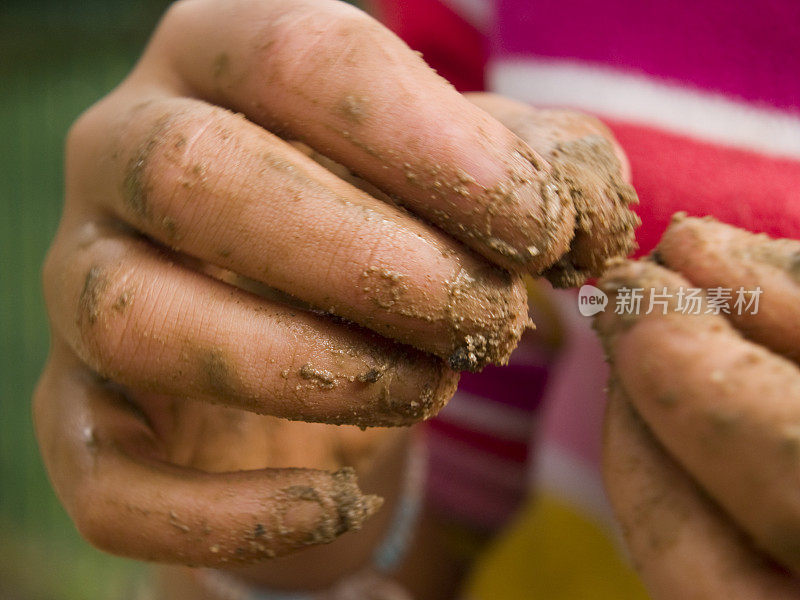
(552,552)
(545,313)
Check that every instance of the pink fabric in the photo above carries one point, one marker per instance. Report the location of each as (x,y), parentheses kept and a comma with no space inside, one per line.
(740,48)
(448,42)
(575,400)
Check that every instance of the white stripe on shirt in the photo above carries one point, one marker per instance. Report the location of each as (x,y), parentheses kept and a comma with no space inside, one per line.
(649,101)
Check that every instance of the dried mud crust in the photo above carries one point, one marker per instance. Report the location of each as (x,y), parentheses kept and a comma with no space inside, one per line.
(343,507)
(604,227)
(586,169)
(487,320)
(781,253)
(340,505)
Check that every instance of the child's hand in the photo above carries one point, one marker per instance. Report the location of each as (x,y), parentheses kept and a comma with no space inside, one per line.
(182,182)
(714,490)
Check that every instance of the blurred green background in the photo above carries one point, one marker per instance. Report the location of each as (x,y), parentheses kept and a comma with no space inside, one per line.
(57,57)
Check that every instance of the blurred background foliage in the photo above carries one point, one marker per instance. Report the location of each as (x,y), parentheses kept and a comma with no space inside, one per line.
(57,57)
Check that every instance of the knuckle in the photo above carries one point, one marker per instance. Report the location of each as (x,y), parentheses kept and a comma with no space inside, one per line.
(169,159)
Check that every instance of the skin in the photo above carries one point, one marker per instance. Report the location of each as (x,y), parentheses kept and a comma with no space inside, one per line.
(262,223)
(712,254)
(682,544)
(721,407)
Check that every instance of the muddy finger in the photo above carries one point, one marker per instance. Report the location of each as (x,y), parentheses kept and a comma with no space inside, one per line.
(213,185)
(108,469)
(683,545)
(726,408)
(141,319)
(585,156)
(749,267)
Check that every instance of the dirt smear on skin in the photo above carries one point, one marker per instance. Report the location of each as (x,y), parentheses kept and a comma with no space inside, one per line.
(221,66)
(217,373)
(124,300)
(94,285)
(353,108)
(486,310)
(483,217)
(135,187)
(285,524)
(343,507)
(487,319)
(783,254)
(642,274)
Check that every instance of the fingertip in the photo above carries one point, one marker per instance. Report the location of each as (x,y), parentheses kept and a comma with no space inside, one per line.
(489,318)
(535,218)
(414,391)
(353,507)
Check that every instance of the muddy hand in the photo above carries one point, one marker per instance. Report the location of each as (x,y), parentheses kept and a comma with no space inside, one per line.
(721,394)
(188,179)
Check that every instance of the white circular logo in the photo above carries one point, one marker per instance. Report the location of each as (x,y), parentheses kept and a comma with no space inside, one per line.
(591,300)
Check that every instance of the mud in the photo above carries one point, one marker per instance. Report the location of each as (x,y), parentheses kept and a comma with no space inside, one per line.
(605,226)
(493,220)
(343,508)
(487,304)
(222,65)
(781,253)
(384,287)
(135,187)
(94,285)
(319,377)
(353,108)
(646,275)
(487,318)
(217,373)
(124,300)
(175,522)
(371,376)
(352,507)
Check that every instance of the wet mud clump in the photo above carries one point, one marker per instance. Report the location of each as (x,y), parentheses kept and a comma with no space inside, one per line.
(604,225)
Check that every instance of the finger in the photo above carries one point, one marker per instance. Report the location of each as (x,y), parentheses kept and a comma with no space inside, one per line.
(585,155)
(217,187)
(683,546)
(149,323)
(727,409)
(107,468)
(545,128)
(711,254)
(327,74)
